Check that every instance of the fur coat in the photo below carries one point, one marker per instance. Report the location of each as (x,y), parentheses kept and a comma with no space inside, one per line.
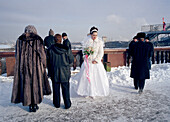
(30,77)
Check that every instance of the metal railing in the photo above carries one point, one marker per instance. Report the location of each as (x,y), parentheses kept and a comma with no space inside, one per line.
(156,27)
(117,57)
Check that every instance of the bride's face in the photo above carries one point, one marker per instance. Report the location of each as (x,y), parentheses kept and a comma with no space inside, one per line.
(94,35)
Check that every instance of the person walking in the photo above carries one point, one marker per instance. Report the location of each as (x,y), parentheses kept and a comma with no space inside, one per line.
(140,68)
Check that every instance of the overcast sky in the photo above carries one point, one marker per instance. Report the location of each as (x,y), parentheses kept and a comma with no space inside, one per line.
(116,19)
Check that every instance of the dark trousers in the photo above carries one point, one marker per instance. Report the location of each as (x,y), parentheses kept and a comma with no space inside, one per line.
(65,91)
(139,83)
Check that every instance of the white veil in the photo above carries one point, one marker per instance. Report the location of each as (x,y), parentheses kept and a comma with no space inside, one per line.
(88,42)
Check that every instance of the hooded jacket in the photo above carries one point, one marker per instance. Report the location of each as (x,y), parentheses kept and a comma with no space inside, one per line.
(58,63)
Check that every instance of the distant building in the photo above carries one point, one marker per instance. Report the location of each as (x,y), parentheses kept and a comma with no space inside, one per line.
(76,45)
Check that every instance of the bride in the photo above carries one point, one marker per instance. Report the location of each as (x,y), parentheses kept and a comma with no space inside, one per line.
(92,79)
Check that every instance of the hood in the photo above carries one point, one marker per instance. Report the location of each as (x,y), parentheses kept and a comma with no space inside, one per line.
(58,48)
(29,37)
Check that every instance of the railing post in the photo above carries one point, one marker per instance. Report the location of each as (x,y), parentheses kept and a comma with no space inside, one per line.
(162,56)
(105,58)
(166,56)
(125,57)
(169,56)
(75,62)
(157,57)
(0,67)
(153,58)
(81,57)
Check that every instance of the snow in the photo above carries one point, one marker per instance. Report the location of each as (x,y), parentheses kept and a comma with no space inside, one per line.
(124,104)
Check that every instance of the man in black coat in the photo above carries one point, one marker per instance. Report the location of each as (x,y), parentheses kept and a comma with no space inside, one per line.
(151,50)
(49,40)
(140,69)
(68,44)
(59,71)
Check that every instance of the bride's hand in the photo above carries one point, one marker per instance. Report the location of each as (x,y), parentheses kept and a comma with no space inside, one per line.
(94,62)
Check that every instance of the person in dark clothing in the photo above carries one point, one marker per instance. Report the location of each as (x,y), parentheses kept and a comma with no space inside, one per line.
(49,40)
(131,44)
(151,50)
(139,68)
(59,71)
(68,44)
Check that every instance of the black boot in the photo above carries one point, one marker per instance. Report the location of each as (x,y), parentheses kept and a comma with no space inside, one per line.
(31,108)
(136,87)
(36,106)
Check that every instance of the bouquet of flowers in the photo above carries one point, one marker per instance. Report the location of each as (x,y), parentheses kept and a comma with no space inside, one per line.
(88,51)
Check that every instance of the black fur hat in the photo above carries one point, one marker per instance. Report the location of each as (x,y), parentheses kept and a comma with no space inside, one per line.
(141,35)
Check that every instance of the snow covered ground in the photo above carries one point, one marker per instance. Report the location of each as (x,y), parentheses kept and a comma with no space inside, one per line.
(124,104)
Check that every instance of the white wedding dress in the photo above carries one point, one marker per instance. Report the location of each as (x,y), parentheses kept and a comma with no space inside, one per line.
(98,84)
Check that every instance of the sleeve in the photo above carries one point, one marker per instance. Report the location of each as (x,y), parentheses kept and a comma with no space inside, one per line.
(48,63)
(66,43)
(42,54)
(100,53)
(16,48)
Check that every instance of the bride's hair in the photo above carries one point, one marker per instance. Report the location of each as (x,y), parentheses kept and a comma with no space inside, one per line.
(93,29)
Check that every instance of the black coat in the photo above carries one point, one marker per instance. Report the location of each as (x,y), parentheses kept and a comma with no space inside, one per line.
(131,44)
(58,63)
(70,55)
(48,41)
(151,51)
(140,54)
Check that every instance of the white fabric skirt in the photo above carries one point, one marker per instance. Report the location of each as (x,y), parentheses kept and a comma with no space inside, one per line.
(98,85)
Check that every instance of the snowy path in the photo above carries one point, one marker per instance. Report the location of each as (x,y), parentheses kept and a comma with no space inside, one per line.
(123,103)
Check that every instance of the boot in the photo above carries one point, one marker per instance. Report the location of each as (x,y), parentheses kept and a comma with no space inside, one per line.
(140,91)
(36,106)
(31,108)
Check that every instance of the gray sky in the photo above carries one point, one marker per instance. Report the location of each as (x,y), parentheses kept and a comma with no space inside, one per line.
(116,19)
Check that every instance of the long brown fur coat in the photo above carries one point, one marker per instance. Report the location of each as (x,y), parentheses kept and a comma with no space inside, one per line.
(30,77)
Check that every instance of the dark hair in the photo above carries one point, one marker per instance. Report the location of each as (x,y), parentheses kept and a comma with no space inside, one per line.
(93,29)
(147,38)
(57,38)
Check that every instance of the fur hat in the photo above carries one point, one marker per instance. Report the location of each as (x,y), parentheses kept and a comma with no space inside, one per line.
(30,29)
(141,35)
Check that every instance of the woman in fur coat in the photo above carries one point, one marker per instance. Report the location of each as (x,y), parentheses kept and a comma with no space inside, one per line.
(30,77)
